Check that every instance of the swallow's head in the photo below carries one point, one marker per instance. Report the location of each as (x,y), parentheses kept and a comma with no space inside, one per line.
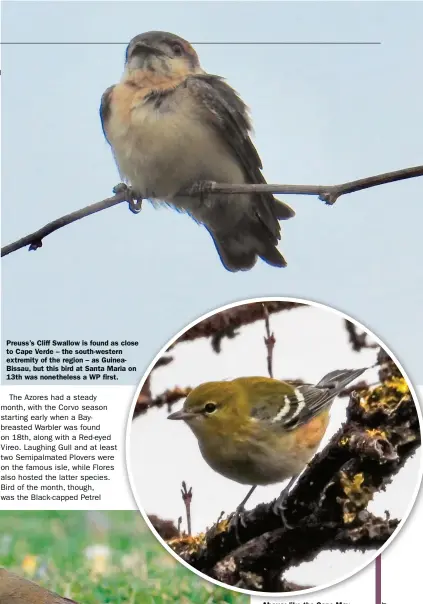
(162,52)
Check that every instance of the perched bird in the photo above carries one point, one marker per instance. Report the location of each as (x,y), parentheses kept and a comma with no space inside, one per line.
(171,125)
(16,590)
(259,430)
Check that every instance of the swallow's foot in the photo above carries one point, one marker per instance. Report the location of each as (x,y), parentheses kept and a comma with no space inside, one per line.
(135,201)
(121,188)
(135,205)
(133,198)
(201,188)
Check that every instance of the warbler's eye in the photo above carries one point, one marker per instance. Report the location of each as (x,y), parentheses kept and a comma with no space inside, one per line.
(210,407)
(178,51)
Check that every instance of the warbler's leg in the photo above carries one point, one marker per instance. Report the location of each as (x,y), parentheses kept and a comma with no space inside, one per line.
(246,498)
(237,518)
(279,506)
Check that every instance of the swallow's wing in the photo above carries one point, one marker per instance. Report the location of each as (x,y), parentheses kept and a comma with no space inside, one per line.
(226,111)
(105,109)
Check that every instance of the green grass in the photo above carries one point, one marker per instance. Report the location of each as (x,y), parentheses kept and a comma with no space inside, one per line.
(50,548)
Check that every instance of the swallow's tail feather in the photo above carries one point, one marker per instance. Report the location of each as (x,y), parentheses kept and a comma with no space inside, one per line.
(240,246)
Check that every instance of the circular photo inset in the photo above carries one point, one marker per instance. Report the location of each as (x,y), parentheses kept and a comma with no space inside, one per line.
(273,446)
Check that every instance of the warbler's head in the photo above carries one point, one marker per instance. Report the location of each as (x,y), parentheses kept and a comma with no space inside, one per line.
(162,53)
(213,407)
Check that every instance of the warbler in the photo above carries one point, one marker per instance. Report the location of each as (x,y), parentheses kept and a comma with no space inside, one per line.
(260,430)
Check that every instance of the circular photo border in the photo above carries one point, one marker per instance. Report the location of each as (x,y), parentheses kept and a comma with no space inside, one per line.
(202,575)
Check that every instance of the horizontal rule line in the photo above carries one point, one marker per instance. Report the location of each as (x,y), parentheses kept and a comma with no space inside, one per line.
(310,43)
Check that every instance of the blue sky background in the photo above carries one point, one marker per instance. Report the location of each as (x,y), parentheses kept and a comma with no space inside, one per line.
(322,114)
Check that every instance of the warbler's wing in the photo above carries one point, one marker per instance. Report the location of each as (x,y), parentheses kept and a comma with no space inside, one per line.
(311,400)
(286,406)
(225,111)
(105,109)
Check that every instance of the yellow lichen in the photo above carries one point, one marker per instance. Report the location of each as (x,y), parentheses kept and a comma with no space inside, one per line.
(187,544)
(357,495)
(387,396)
(375,433)
(399,384)
(351,486)
(221,526)
(349,517)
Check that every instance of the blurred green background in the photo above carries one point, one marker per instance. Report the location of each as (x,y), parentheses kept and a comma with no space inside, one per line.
(100,557)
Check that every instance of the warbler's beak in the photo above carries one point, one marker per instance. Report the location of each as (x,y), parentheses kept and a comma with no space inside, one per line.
(185,415)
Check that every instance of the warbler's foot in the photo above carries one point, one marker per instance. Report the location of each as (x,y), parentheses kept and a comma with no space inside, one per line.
(237,519)
(279,508)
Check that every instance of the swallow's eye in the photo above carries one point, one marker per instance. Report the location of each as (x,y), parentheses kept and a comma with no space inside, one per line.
(210,407)
(178,51)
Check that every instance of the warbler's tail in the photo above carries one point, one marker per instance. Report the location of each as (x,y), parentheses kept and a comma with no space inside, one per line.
(337,380)
(253,236)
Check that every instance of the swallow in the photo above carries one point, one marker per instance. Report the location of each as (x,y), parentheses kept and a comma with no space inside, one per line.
(170,125)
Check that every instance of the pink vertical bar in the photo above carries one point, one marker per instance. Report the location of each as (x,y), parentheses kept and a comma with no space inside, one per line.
(378,582)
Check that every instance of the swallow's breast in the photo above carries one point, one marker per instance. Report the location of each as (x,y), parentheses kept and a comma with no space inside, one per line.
(164,144)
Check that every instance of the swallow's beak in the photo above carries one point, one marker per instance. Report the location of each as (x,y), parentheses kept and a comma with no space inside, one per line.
(142,48)
(184,415)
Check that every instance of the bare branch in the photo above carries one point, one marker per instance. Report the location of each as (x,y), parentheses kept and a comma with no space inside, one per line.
(327,193)
(35,240)
(269,341)
(168,398)
(165,528)
(229,320)
(187,499)
(358,340)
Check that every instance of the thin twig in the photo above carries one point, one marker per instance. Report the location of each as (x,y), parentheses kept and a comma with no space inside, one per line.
(187,498)
(358,340)
(235,317)
(34,240)
(168,397)
(269,341)
(327,193)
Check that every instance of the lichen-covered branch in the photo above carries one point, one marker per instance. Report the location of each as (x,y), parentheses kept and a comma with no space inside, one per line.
(266,557)
(327,508)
